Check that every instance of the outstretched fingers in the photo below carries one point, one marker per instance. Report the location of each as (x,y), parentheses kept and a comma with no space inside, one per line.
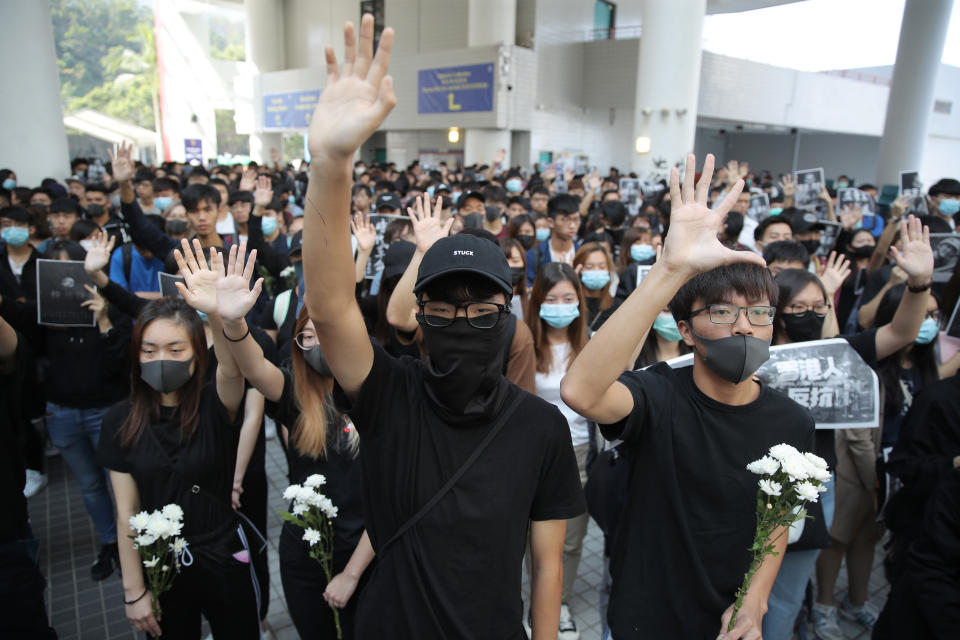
(333,71)
(365,49)
(381,61)
(703,187)
(730,199)
(349,49)
(689,174)
(250,266)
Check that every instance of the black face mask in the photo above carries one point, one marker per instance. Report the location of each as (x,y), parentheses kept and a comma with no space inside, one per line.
(492,213)
(812,246)
(462,376)
(166,375)
(734,358)
(314,358)
(801,327)
(176,227)
(517,274)
(526,240)
(862,252)
(96,210)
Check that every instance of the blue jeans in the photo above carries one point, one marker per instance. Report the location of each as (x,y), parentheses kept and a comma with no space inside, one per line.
(75,433)
(786,597)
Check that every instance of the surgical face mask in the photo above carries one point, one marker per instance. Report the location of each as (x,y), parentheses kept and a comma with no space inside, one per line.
(9,184)
(269,225)
(595,279)
(517,274)
(292,199)
(87,244)
(777,211)
(949,206)
(203,315)
(641,252)
(842,184)
(176,227)
(95,210)
(430,191)
(928,331)
(162,202)
(15,236)
(166,376)
(801,327)
(559,315)
(514,185)
(666,327)
(542,234)
(526,240)
(455,196)
(298,269)
(734,358)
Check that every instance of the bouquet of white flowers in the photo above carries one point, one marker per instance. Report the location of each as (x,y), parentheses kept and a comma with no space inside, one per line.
(789,480)
(313,512)
(162,550)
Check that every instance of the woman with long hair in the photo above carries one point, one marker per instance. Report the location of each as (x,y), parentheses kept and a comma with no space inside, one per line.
(175,442)
(636,248)
(517,260)
(522,229)
(595,267)
(319,441)
(556,314)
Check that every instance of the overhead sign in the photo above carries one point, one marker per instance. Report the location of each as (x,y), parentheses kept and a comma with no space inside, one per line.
(455,89)
(289,110)
(193,149)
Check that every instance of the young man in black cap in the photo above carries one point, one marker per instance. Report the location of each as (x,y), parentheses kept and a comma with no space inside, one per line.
(456,461)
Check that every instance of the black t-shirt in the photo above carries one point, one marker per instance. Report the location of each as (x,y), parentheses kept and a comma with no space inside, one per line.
(340,466)
(207,458)
(13,420)
(456,573)
(683,542)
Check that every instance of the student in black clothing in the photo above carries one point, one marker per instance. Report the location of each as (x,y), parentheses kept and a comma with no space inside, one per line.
(455,571)
(684,536)
(175,441)
(318,440)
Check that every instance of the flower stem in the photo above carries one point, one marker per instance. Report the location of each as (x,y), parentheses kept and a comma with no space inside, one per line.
(745,586)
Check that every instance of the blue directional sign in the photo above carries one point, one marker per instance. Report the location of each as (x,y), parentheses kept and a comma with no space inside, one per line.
(289,110)
(455,89)
(193,149)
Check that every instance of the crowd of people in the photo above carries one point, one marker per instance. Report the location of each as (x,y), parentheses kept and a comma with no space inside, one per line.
(510,351)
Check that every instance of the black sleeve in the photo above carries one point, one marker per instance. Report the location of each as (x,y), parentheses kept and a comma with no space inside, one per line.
(266,255)
(384,392)
(865,344)
(626,284)
(115,351)
(284,410)
(144,232)
(128,302)
(929,438)
(646,387)
(22,316)
(110,454)
(875,282)
(559,495)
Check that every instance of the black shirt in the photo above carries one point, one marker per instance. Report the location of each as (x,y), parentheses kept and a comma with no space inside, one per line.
(207,458)
(14,525)
(683,541)
(456,573)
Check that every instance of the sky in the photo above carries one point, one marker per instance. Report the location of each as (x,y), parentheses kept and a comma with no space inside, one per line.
(820,35)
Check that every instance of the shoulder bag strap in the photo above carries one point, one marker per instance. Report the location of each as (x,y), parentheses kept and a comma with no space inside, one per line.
(432,502)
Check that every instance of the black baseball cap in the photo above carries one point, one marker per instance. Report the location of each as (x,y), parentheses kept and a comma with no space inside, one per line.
(464,253)
(397,257)
(804,221)
(470,194)
(388,201)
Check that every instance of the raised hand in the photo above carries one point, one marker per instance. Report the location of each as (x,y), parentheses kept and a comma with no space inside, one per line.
(899,206)
(568,175)
(692,245)
(364,232)
(834,273)
(850,216)
(235,298)
(96,303)
(916,259)
(788,185)
(733,170)
(594,182)
(122,162)
(428,227)
(263,196)
(744,169)
(249,180)
(357,97)
(499,157)
(200,290)
(98,256)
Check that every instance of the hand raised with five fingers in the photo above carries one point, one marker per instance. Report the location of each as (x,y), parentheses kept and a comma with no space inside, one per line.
(122,162)
(428,227)
(98,256)
(364,232)
(96,303)
(358,95)
(692,245)
(834,273)
(200,290)
(263,196)
(249,180)
(916,259)
(235,297)
(850,216)
(788,185)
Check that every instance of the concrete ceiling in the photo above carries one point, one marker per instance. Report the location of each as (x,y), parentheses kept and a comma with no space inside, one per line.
(736,6)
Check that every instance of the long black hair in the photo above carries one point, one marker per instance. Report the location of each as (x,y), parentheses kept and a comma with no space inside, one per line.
(790,282)
(890,369)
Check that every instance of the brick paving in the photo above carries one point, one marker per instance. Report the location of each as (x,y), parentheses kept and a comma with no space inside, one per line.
(80,608)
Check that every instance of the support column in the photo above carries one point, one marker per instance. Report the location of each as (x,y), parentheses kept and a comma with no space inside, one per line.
(922,36)
(33,140)
(481,145)
(264,48)
(489,22)
(668,81)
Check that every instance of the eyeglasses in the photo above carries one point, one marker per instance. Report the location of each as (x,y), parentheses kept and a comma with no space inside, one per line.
(480,315)
(758,315)
(819,309)
(306,341)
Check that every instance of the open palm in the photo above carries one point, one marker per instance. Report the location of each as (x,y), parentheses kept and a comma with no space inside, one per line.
(428,227)
(98,257)
(235,298)
(357,97)
(200,290)
(916,259)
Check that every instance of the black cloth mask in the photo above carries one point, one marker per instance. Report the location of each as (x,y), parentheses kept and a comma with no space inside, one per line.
(801,327)
(492,213)
(812,246)
(166,376)
(95,210)
(526,240)
(462,375)
(862,252)
(734,358)
(517,274)
(176,227)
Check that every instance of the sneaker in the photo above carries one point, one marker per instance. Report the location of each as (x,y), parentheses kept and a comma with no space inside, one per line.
(865,615)
(826,624)
(35,482)
(107,559)
(568,628)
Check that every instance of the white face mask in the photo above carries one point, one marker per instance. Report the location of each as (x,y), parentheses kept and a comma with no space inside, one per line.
(87,244)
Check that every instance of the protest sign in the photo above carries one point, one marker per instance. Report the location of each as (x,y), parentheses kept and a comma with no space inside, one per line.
(60,293)
(380,221)
(642,271)
(653,190)
(168,286)
(759,206)
(809,185)
(910,183)
(946,252)
(828,237)
(851,198)
(631,195)
(827,377)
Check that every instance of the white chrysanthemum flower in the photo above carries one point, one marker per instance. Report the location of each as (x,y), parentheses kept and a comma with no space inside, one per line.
(173,512)
(816,460)
(157,525)
(796,468)
(139,522)
(331,512)
(299,509)
(307,496)
(783,452)
(291,492)
(807,491)
(315,480)
(315,500)
(178,546)
(165,568)
(145,540)
(770,487)
(312,536)
(150,564)
(289,271)
(765,466)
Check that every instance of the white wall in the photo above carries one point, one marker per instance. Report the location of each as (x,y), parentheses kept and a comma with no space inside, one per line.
(309,26)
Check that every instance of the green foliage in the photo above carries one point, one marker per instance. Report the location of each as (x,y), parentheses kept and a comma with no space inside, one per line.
(228,140)
(226,39)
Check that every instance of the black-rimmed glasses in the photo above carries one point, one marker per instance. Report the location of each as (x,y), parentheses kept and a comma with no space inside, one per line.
(480,315)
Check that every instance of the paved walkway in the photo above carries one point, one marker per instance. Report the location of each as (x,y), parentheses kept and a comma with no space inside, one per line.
(82,609)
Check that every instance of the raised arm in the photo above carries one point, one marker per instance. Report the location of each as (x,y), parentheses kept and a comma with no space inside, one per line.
(269,258)
(834,273)
(355,101)
(98,256)
(590,387)
(366,236)
(143,231)
(883,246)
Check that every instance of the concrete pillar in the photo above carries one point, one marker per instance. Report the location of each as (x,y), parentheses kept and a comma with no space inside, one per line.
(491,22)
(481,145)
(33,140)
(922,36)
(668,81)
(264,48)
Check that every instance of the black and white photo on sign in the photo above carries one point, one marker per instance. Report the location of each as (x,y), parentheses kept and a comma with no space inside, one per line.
(60,294)
(946,253)
(380,221)
(909,183)
(953,327)
(759,206)
(827,377)
(168,285)
(850,197)
(642,271)
(809,185)
(828,237)
(631,195)
(652,189)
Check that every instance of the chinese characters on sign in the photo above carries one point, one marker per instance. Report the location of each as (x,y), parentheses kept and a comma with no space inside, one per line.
(193,150)
(455,89)
(289,110)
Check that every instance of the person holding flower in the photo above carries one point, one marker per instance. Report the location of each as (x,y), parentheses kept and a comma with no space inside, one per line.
(685,534)
(175,442)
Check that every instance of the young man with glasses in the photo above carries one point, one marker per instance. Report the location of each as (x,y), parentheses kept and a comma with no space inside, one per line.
(449,554)
(684,538)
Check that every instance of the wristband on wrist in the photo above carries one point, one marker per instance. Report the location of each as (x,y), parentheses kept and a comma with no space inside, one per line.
(920,289)
(240,339)
(137,599)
